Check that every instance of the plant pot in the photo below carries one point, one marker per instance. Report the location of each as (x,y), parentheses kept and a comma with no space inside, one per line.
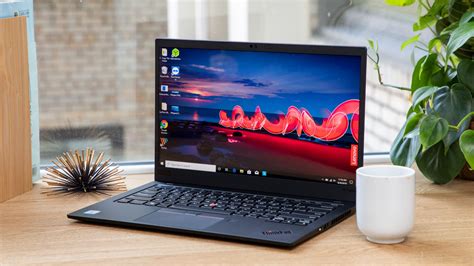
(465,172)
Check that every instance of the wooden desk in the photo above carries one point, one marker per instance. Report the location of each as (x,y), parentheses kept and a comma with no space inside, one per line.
(34,229)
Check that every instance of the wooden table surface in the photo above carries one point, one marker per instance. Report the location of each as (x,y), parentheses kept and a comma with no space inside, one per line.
(34,229)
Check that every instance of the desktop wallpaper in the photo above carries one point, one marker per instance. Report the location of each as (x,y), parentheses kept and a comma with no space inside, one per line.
(275,114)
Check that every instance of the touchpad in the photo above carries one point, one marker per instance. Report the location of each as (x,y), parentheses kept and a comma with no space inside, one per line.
(177,219)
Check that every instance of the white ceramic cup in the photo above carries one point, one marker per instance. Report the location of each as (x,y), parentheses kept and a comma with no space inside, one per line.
(385,202)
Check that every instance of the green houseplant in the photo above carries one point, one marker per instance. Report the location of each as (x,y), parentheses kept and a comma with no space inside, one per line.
(437,132)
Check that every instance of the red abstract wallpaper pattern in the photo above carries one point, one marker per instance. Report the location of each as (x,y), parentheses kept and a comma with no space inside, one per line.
(332,128)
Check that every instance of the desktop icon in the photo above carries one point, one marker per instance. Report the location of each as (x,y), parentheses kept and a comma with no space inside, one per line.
(175,70)
(164,70)
(164,124)
(174,108)
(175,52)
(219,168)
(164,106)
(164,88)
(163,141)
(241,171)
(257,172)
(249,172)
(226,169)
(234,170)
(164,52)
(264,173)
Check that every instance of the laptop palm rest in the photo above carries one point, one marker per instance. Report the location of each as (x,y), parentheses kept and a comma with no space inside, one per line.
(180,219)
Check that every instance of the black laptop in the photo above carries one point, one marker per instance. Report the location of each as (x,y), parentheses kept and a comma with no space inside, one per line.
(254,142)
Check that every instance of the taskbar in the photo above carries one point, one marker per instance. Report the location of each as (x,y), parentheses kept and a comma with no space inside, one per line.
(243,171)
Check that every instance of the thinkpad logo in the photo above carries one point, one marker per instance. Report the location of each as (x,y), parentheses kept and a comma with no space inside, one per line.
(276,232)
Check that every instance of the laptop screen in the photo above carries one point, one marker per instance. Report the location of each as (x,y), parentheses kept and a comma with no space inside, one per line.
(271,114)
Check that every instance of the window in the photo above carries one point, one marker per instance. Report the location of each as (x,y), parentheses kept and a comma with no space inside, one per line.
(96,61)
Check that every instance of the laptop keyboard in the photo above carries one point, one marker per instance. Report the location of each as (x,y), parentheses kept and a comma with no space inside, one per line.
(269,208)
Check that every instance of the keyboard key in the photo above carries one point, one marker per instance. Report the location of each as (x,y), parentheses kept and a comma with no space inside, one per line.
(133,197)
(149,191)
(277,219)
(300,214)
(199,209)
(320,209)
(327,207)
(300,223)
(138,202)
(125,200)
(151,203)
(300,210)
(297,215)
(265,217)
(141,194)
(163,204)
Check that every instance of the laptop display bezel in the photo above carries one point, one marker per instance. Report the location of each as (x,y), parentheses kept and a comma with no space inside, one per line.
(288,186)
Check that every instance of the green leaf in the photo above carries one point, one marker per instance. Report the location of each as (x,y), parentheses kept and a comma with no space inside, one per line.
(442,24)
(466,17)
(438,6)
(422,72)
(399,2)
(459,37)
(466,141)
(371,44)
(413,109)
(422,93)
(449,29)
(439,78)
(434,43)
(432,130)
(441,167)
(424,22)
(412,123)
(414,133)
(404,150)
(453,104)
(451,72)
(466,74)
(410,41)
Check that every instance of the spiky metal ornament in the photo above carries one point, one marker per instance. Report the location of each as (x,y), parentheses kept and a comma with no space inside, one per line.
(80,172)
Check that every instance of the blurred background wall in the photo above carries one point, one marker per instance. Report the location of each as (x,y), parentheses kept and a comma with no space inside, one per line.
(96,61)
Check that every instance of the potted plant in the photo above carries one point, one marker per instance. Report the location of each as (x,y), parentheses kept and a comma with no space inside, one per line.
(438,133)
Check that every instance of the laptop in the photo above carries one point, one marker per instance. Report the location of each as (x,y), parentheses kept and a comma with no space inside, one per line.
(254,142)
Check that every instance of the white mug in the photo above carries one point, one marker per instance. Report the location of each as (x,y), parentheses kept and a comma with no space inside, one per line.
(385,202)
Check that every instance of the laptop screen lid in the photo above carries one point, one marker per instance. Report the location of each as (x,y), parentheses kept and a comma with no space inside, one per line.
(267,117)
